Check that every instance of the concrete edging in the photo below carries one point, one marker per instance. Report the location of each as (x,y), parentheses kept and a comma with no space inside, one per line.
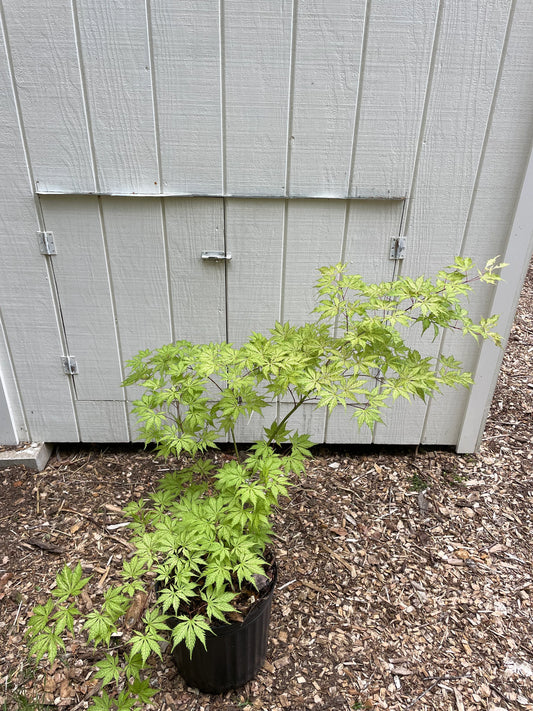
(33,456)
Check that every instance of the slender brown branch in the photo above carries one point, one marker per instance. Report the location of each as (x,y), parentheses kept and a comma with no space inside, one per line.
(236,449)
(284,420)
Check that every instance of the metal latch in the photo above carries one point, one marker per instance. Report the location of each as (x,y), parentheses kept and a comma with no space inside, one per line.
(398,248)
(46,242)
(216,256)
(70,365)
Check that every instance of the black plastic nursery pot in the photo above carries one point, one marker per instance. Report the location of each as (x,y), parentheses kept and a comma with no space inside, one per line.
(233,655)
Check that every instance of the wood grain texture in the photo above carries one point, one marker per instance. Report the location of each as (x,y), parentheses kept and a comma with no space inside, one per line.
(495,226)
(307,420)
(369,225)
(254,236)
(133,425)
(326,59)
(31,329)
(251,429)
(13,426)
(428,98)
(397,60)
(136,250)
(465,67)
(115,56)
(102,421)
(518,256)
(486,232)
(197,287)
(314,237)
(42,41)
(9,423)
(81,270)
(257,46)
(187,71)
(7,429)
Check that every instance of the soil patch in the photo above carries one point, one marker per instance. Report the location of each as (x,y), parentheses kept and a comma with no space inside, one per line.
(405,576)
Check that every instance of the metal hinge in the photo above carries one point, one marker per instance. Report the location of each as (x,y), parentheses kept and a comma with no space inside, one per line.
(398,247)
(46,242)
(70,365)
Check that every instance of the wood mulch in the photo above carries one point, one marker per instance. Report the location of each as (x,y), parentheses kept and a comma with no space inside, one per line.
(405,577)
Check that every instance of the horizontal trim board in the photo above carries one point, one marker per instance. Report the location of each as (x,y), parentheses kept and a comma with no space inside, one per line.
(370,195)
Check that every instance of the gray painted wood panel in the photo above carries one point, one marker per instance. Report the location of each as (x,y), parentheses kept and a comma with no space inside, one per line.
(369,225)
(43,45)
(397,62)
(257,48)
(197,286)
(427,99)
(314,237)
(9,422)
(138,275)
(29,320)
(469,44)
(326,66)
(103,421)
(517,255)
(7,429)
(315,234)
(255,234)
(187,81)
(499,180)
(116,65)
(13,426)
(81,267)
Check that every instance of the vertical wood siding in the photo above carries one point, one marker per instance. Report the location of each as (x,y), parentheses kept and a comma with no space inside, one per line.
(29,317)
(394,74)
(326,67)
(256,69)
(114,55)
(82,274)
(197,288)
(227,103)
(458,109)
(188,101)
(43,43)
(7,429)
(255,237)
(9,399)
(494,196)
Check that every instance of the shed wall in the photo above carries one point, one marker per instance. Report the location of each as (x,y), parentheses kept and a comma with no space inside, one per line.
(298,131)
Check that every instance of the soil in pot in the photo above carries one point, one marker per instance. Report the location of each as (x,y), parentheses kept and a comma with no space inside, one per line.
(235,653)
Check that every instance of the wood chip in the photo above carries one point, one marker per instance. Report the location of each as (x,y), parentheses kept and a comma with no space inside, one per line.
(136,609)
(458,700)
(43,545)
(426,608)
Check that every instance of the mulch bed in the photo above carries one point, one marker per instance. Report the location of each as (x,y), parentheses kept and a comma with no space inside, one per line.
(405,577)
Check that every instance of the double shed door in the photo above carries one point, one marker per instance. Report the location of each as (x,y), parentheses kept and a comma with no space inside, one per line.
(129,275)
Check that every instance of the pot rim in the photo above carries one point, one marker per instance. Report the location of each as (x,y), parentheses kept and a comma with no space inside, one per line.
(223,628)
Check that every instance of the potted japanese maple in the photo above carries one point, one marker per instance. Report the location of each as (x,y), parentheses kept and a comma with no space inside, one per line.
(203,563)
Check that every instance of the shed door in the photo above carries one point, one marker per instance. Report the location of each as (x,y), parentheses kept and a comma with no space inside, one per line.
(129,275)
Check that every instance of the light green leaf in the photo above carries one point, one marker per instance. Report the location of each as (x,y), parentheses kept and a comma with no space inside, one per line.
(100,627)
(69,583)
(101,703)
(108,669)
(46,642)
(190,630)
(142,690)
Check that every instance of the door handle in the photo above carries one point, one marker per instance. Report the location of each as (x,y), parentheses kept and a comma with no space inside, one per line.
(216,256)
